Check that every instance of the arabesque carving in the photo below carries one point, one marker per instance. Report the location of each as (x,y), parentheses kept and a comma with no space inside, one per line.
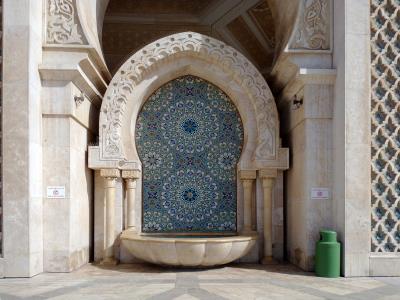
(209,49)
(62,23)
(313,26)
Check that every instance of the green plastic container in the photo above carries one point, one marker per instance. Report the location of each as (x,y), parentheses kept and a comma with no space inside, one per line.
(327,255)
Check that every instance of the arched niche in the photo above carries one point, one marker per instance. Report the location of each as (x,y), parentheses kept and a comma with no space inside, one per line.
(189,138)
(195,54)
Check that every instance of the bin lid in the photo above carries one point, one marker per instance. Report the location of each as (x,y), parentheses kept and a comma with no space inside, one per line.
(328,235)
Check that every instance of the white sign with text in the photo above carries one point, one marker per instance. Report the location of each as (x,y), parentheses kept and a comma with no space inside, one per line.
(56,192)
(320,193)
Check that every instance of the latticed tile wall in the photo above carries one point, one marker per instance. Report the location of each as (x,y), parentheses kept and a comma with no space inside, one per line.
(385,81)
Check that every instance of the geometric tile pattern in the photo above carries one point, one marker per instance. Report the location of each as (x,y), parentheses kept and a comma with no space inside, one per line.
(234,282)
(385,125)
(189,138)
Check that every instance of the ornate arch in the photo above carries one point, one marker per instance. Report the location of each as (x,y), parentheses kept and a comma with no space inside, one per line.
(193,45)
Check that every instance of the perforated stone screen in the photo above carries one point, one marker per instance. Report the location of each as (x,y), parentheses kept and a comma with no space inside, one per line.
(385,81)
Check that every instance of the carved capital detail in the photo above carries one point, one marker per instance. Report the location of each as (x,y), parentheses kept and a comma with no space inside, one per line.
(268,173)
(131,174)
(110,173)
(248,174)
(199,46)
(313,30)
(63,25)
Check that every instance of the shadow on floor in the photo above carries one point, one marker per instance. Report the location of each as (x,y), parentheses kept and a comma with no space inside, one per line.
(282,268)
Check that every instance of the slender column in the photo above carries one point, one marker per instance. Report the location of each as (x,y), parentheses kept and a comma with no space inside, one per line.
(110,177)
(247,177)
(130,178)
(268,180)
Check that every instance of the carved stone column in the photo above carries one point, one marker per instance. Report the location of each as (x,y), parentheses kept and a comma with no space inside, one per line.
(247,177)
(268,179)
(110,177)
(130,179)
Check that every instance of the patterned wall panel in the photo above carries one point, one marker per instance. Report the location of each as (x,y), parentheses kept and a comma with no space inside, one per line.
(189,138)
(385,81)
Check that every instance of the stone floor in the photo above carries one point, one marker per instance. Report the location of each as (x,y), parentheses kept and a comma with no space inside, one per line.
(231,282)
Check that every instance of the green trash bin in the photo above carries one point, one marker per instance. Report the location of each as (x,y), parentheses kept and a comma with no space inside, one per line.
(327,255)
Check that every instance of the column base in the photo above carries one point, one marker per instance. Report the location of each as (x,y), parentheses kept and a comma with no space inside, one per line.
(248,232)
(269,260)
(109,261)
(131,228)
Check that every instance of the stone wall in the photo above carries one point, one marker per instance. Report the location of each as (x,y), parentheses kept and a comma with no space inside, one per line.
(22,140)
(331,118)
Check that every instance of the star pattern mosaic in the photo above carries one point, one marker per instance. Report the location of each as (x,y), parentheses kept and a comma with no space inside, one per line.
(189,138)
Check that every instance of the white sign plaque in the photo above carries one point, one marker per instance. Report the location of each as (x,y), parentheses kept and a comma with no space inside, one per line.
(320,193)
(56,192)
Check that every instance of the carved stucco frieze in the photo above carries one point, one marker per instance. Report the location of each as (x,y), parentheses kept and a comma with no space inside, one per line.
(63,25)
(206,48)
(313,30)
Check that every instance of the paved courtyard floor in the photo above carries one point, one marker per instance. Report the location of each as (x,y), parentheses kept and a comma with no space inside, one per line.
(231,282)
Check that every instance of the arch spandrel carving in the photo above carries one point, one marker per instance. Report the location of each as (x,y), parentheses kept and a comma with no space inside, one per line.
(313,28)
(196,46)
(63,24)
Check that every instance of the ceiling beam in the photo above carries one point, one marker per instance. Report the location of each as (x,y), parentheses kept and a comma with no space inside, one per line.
(230,39)
(256,31)
(155,19)
(217,10)
(235,12)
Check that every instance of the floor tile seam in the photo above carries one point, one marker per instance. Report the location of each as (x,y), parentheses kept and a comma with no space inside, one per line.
(307,290)
(54,293)
(374,293)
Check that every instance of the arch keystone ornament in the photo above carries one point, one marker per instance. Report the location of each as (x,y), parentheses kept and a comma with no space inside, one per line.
(190,46)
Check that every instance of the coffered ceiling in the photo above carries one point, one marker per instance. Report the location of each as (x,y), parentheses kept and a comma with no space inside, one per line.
(246,25)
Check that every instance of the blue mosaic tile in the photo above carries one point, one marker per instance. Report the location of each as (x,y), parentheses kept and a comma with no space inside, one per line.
(189,138)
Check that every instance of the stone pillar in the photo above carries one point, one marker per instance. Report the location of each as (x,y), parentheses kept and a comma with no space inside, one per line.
(247,177)
(22,153)
(311,138)
(110,176)
(130,177)
(268,179)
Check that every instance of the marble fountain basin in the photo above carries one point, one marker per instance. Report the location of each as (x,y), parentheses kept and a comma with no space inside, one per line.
(187,251)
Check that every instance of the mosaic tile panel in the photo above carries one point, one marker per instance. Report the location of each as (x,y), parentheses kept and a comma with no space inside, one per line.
(189,138)
(385,105)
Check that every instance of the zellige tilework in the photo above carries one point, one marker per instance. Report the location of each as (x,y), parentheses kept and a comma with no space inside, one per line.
(189,138)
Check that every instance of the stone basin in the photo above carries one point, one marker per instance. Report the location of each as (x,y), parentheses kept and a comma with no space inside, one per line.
(187,251)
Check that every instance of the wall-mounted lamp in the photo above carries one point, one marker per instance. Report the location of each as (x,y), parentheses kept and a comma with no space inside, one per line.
(297,102)
(79,99)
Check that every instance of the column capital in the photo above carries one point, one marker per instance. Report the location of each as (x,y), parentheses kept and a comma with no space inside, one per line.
(130,174)
(268,173)
(247,174)
(247,182)
(110,173)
